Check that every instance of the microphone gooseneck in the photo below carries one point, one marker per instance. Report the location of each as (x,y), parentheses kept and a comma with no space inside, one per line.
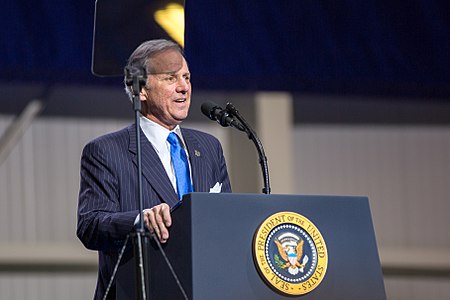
(259,147)
(230,116)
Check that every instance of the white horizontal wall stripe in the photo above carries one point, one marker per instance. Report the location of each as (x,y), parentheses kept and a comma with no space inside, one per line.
(405,171)
(40,179)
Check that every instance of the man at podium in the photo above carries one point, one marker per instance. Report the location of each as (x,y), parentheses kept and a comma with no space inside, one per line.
(175,161)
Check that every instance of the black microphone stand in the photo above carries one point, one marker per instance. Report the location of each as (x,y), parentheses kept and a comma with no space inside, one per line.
(136,78)
(259,147)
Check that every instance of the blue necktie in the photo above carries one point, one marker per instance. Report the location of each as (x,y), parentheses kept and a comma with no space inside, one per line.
(180,165)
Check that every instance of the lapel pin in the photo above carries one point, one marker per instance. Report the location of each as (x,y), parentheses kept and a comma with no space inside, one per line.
(197,153)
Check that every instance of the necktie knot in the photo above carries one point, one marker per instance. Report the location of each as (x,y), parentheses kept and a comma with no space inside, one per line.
(180,165)
(173,140)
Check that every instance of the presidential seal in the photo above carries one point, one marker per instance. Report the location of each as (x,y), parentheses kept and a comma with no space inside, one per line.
(290,253)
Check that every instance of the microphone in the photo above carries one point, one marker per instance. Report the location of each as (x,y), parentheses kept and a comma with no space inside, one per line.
(216,113)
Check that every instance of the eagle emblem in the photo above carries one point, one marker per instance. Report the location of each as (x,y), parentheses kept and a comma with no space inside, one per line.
(286,254)
(290,248)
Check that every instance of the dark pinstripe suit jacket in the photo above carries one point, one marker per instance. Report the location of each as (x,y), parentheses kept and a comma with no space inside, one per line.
(108,201)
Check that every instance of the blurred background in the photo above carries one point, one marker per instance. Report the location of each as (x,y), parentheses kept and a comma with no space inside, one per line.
(348,98)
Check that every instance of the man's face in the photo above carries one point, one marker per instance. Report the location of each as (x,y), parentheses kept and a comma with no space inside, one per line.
(167,95)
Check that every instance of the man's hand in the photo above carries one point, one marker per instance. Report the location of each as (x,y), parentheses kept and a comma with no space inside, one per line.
(158,220)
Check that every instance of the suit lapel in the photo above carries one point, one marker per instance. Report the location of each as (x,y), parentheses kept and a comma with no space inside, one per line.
(198,164)
(152,168)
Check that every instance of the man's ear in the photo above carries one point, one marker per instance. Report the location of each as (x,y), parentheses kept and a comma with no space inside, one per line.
(143,94)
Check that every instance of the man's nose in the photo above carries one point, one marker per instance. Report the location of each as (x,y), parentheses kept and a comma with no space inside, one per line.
(183,85)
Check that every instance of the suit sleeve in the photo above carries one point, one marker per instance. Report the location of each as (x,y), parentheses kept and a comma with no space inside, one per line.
(101,223)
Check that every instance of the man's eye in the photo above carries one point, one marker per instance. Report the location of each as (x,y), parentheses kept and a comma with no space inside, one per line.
(171,79)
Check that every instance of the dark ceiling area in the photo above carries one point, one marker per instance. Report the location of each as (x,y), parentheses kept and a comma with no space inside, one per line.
(397,49)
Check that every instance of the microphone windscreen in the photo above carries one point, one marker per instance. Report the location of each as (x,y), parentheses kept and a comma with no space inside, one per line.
(208,109)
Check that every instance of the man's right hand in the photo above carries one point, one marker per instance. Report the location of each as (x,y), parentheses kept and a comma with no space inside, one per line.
(158,220)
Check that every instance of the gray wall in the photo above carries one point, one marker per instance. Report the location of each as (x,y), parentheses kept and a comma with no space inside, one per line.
(403,168)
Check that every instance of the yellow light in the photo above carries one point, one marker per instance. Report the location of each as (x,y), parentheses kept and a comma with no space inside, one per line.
(171,19)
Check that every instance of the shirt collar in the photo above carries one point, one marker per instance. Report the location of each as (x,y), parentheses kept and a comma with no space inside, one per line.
(157,135)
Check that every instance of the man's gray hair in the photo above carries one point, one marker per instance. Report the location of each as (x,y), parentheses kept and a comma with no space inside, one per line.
(140,58)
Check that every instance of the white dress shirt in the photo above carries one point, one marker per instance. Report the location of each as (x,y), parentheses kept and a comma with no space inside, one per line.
(157,135)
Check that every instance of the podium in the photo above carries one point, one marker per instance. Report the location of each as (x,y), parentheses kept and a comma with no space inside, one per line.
(211,248)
